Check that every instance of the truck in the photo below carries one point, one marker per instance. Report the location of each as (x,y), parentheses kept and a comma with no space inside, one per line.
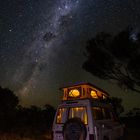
(86,114)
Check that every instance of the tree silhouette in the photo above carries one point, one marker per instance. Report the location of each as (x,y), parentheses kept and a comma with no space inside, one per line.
(48,114)
(115,58)
(133,112)
(8,104)
(8,100)
(117,105)
(32,121)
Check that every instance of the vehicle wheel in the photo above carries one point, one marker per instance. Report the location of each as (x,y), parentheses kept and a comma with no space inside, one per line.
(74,129)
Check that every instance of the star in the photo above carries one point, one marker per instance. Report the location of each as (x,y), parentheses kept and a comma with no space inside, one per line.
(42,43)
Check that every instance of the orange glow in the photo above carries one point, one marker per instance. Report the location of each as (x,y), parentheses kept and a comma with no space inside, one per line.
(100,95)
(94,94)
(60,115)
(79,112)
(83,92)
(74,93)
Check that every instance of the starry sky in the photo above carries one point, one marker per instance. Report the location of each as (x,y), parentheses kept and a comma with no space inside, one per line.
(42,44)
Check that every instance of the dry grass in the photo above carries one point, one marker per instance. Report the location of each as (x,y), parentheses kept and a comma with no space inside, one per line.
(7,136)
(12,137)
(133,134)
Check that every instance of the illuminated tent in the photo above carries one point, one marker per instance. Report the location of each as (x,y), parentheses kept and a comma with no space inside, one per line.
(83,90)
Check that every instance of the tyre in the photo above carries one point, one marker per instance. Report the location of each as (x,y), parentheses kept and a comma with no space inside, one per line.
(74,129)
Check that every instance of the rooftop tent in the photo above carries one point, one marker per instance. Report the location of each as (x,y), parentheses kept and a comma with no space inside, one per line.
(82,91)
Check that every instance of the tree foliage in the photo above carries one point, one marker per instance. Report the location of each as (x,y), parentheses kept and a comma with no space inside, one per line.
(8,100)
(8,104)
(115,58)
(117,105)
(26,121)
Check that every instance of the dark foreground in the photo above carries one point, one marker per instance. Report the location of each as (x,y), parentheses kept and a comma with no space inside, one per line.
(132,127)
(131,134)
(132,131)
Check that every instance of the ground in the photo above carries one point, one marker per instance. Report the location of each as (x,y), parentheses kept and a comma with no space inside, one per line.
(133,134)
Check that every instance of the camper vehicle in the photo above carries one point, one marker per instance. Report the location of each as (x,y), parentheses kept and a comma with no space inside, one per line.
(84,114)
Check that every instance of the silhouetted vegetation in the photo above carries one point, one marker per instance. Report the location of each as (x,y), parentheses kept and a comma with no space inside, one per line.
(132,118)
(131,122)
(8,104)
(23,121)
(115,58)
(133,112)
(117,105)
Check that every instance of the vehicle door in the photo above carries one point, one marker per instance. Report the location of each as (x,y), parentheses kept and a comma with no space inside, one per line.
(102,121)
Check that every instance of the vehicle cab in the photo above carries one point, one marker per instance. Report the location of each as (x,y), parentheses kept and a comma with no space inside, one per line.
(84,114)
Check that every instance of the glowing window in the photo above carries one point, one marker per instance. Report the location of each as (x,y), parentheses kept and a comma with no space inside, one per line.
(79,112)
(94,94)
(61,115)
(74,93)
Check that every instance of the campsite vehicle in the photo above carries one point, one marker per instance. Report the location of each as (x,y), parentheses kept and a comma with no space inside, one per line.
(85,114)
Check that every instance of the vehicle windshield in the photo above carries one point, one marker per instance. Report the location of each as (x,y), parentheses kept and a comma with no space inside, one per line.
(64,114)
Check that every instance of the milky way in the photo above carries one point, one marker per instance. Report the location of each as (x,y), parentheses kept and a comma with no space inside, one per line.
(38,54)
(42,43)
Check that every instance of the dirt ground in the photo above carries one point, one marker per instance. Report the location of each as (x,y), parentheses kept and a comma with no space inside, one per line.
(132,133)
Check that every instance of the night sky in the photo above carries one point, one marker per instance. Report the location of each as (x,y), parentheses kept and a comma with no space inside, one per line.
(42,44)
